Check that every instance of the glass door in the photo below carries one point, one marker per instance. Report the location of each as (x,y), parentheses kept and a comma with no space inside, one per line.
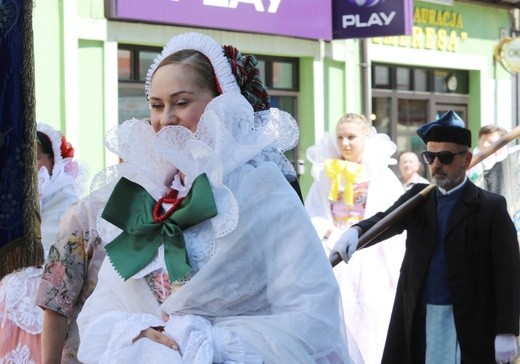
(461,110)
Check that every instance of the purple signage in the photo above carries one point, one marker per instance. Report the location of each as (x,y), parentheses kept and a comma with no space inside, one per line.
(295,18)
(371,18)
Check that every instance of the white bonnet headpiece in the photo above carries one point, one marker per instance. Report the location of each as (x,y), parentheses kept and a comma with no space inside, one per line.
(55,139)
(66,170)
(205,45)
(237,74)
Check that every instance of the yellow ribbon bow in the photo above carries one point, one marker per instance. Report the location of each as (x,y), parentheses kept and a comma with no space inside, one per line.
(337,170)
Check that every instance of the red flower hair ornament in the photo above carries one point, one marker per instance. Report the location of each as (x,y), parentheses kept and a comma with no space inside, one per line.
(66,149)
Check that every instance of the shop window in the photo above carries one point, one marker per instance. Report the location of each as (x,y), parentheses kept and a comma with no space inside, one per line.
(280,76)
(403,78)
(133,64)
(420,79)
(381,77)
(381,114)
(145,61)
(410,115)
(414,96)
(124,65)
(279,73)
(439,81)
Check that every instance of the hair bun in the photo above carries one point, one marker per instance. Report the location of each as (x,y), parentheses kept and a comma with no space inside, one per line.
(248,78)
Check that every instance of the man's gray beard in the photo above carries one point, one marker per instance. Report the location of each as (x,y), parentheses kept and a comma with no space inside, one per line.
(446,183)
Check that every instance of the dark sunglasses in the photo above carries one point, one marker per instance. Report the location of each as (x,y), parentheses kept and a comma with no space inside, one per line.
(445,157)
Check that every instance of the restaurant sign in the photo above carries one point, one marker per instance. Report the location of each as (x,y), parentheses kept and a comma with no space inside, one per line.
(508,53)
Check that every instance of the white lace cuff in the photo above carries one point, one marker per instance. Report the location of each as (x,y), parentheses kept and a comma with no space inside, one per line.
(194,336)
(109,337)
(125,331)
(201,342)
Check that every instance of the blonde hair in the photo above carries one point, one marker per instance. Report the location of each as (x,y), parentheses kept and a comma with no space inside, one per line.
(355,118)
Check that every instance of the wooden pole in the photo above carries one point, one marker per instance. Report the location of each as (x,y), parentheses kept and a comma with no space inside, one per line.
(368,236)
(503,141)
(382,225)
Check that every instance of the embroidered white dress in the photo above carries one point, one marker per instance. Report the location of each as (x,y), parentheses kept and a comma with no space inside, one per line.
(261,290)
(368,282)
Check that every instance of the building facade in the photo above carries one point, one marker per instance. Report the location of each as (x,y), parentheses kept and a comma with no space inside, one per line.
(92,57)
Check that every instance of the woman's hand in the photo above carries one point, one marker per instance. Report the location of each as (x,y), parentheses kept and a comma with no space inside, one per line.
(156,334)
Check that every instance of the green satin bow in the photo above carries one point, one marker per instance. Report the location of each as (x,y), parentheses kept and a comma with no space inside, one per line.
(130,209)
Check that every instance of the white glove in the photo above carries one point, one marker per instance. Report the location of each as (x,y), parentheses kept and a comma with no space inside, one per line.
(346,244)
(505,348)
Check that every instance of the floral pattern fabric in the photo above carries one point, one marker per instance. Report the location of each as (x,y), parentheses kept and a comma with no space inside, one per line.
(159,283)
(70,274)
(345,216)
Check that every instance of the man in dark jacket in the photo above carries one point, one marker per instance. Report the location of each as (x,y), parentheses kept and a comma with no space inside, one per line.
(458,296)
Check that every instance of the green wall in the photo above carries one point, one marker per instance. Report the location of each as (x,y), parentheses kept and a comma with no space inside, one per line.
(84,99)
(94,9)
(48,53)
(334,100)
(306,118)
(91,104)
(335,93)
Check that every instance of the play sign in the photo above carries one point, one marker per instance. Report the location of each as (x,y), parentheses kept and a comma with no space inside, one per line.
(371,18)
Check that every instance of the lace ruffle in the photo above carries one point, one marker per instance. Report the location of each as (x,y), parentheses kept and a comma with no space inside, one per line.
(142,164)
(65,172)
(377,153)
(228,136)
(194,335)
(55,139)
(125,331)
(21,355)
(17,292)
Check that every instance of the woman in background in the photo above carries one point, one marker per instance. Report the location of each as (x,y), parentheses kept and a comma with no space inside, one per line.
(60,180)
(352,180)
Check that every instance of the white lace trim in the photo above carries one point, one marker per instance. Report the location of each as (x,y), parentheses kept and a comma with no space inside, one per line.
(377,153)
(194,335)
(228,136)
(54,137)
(17,293)
(145,166)
(277,123)
(125,331)
(20,355)
(65,172)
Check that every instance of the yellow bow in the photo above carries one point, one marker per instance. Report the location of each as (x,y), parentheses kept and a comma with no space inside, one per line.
(338,169)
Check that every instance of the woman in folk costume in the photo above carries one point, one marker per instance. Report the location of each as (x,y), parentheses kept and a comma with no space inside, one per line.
(352,180)
(211,255)
(60,180)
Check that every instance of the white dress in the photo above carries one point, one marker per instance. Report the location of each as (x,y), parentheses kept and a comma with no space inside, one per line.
(261,290)
(368,282)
